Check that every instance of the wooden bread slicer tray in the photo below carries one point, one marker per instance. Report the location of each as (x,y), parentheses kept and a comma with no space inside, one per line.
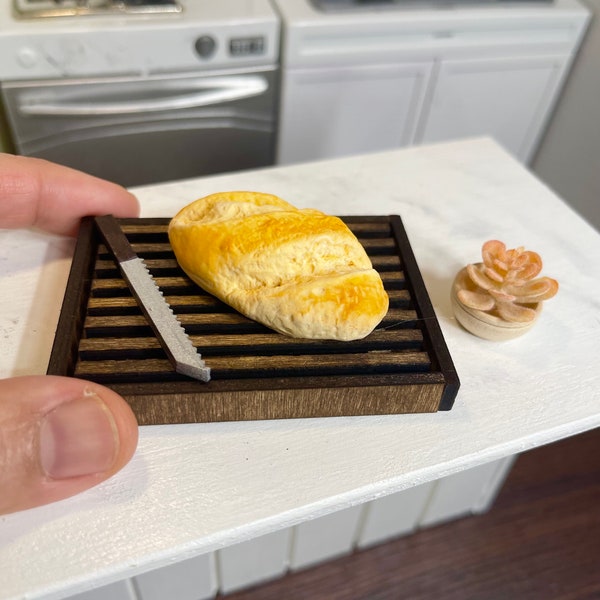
(402,367)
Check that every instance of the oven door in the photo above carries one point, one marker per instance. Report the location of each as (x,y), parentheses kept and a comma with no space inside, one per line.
(139,131)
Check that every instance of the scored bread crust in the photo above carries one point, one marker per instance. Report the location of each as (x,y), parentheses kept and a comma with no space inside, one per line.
(298,271)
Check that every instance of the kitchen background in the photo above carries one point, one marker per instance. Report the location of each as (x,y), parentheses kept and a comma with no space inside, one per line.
(234,84)
(350,76)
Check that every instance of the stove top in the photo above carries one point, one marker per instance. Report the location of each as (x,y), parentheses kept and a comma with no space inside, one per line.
(134,37)
(35,9)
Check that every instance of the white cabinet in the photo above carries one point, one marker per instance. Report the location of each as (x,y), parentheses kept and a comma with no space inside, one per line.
(340,111)
(332,112)
(507,98)
(363,80)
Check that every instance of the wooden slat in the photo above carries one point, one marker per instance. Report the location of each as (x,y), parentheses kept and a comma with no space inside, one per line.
(253,343)
(261,366)
(120,304)
(373,246)
(125,322)
(181,284)
(94,325)
(204,302)
(381,262)
(360,226)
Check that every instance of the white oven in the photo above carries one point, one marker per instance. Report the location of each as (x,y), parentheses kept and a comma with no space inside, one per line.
(141,91)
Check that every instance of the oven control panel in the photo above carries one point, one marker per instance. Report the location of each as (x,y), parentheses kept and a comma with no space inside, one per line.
(203,36)
(247,46)
(256,45)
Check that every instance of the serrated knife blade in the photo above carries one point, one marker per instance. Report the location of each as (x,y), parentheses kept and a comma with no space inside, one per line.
(169,331)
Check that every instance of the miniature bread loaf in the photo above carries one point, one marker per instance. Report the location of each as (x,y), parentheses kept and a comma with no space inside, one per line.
(298,271)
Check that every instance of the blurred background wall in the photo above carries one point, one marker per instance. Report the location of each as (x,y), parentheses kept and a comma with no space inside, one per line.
(568,159)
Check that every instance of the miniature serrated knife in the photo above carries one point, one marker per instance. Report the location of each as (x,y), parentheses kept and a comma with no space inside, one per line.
(171,335)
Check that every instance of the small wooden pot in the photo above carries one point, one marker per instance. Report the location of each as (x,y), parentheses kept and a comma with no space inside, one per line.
(483,324)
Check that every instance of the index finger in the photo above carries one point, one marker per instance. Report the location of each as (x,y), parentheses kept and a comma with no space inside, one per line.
(38,193)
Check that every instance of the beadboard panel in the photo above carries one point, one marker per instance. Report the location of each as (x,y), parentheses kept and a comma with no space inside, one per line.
(464,493)
(121,590)
(325,537)
(191,579)
(254,561)
(394,515)
(491,488)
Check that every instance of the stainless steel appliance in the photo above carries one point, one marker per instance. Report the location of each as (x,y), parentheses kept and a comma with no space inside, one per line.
(140,97)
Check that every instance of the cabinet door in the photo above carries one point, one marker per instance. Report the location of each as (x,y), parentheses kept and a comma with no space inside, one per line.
(506,98)
(331,112)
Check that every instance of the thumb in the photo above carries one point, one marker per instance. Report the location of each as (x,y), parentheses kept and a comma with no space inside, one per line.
(59,436)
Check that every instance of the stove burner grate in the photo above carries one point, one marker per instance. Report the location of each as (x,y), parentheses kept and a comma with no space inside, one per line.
(34,9)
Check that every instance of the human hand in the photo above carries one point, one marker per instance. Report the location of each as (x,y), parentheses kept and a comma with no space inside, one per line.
(58,435)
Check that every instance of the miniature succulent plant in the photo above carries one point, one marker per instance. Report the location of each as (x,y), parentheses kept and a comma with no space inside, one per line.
(505,283)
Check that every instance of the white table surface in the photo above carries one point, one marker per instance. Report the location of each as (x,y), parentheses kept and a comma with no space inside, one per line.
(195,488)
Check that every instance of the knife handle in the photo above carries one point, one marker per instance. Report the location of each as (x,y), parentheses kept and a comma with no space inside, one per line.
(115,238)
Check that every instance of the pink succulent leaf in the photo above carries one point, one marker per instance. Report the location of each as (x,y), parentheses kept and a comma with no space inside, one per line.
(527,273)
(500,265)
(515,253)
(512,278)
(533,257)
(493,275)
(510,256)
(536,287)
(501,295)
(476,300)
(515,313)
(532,267)
(488,259)
(478,278)
(537,290)
(553,289)
(520,261)
(493,249)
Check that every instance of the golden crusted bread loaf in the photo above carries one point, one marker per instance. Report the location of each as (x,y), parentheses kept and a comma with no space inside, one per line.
(300,272)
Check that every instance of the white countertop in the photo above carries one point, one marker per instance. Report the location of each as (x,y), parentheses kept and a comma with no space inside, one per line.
(195,488)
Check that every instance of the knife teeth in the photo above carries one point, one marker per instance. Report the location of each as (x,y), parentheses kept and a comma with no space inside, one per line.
(182,366)
(169,330)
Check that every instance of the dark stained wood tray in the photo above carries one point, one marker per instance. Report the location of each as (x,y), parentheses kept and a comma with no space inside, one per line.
(403,367)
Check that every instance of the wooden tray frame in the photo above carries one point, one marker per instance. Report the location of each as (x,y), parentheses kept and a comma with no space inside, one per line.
(182,400)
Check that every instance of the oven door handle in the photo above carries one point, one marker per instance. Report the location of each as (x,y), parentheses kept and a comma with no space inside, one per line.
(214,90)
